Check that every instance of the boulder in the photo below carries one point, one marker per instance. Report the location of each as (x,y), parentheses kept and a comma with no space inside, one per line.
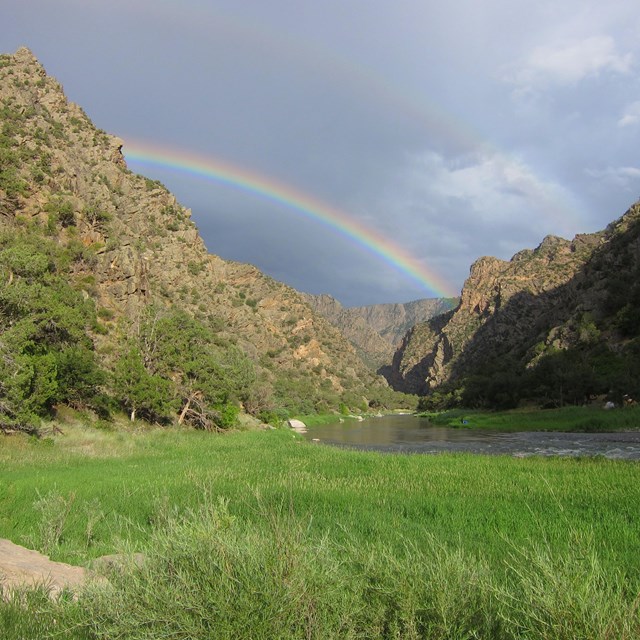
(297,425)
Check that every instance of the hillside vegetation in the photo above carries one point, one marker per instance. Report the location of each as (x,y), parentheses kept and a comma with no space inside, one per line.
(110,300)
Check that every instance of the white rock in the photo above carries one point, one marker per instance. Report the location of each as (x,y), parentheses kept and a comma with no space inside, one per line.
(297,425)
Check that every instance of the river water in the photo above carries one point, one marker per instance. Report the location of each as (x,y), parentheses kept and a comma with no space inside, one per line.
(410,434)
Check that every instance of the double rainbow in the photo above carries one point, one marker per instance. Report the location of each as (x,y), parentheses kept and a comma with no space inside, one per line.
(303,204)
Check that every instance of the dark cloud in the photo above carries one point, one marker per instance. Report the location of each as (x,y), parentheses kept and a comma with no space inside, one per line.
(453,130)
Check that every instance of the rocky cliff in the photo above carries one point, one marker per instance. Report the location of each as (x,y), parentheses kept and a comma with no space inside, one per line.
(137,247)
(377,330)
(562,298)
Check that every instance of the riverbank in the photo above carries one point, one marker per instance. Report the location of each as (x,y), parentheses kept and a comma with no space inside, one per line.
(317,537)
(410,434)
(580,419)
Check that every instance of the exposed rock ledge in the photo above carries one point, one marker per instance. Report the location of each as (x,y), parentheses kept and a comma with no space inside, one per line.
(24,568)
(21,567)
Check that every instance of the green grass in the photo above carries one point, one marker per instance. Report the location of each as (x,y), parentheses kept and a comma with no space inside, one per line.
(564,419)
(263,535)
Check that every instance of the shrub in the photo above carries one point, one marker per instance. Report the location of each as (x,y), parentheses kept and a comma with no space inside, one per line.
(61,210)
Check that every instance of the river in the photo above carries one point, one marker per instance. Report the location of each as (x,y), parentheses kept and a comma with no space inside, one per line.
(411,434)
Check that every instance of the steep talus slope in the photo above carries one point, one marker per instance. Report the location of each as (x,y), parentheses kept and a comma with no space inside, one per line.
(376,330)
(136,246)
(507,309)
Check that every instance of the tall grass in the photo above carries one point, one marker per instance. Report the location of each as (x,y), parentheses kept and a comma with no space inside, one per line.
(31,614)
(209,574)
(263,535)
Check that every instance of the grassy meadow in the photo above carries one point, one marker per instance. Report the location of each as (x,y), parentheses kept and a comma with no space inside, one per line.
(264,535)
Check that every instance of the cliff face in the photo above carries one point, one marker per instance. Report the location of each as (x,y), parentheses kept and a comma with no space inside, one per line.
(520,310)
(377,330)
(392,321)
(137,246)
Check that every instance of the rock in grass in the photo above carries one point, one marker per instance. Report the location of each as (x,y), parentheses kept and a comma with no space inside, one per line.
(21,567)
(297,425)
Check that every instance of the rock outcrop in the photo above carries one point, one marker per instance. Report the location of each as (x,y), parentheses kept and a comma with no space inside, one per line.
(377,330)
(23,568)
(541,301)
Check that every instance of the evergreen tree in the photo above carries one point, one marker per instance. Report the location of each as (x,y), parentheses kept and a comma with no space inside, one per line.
(141,393)
(46,354)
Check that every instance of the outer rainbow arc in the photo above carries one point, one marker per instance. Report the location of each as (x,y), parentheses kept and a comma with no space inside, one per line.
(293,199)
(367,81)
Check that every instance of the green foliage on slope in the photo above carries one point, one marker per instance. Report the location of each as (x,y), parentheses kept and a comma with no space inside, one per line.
(46,353)
(171,370)
(573,376)
(176,367)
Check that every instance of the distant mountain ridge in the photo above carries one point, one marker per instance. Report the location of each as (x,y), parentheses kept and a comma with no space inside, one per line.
(377,330)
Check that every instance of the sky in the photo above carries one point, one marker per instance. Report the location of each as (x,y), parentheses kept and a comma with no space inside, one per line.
(368,149)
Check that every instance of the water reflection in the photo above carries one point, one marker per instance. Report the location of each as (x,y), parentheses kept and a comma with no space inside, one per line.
(413,434)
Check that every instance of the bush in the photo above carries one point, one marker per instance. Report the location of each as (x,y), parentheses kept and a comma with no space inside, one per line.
(61,210)
(221,578)
(210,574)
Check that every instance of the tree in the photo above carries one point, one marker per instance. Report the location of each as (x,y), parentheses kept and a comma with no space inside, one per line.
(138,391)
(80,378)
(46,353)
(206,381)
(563,377)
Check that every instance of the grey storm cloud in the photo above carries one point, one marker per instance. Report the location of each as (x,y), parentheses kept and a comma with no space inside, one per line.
(451,130)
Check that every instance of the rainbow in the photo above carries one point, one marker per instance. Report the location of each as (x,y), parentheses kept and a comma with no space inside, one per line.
(267,188)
